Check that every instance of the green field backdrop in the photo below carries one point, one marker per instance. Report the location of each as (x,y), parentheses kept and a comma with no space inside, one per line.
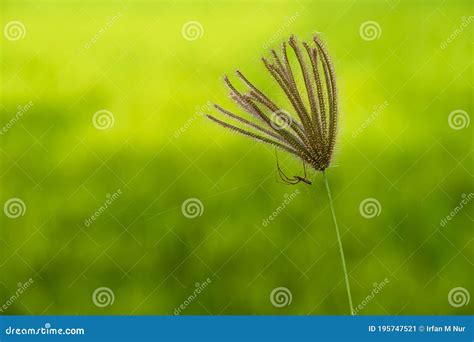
(150,69)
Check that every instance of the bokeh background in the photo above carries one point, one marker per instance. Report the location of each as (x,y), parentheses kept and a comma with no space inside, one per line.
(140,61)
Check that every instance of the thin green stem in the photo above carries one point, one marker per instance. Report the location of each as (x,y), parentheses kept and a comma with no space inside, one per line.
(348,288)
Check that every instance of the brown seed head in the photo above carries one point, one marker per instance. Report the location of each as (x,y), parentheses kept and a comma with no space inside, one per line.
(308,131)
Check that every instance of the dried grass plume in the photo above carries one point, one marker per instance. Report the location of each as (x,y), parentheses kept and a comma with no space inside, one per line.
(309,132)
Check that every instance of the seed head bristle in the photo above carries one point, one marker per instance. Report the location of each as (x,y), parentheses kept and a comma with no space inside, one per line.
(310,133)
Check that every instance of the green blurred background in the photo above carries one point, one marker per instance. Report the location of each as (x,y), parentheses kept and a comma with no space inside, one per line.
(132,59)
